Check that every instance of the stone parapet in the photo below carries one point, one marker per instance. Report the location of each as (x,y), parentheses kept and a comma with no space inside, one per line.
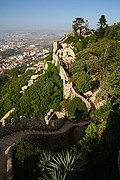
(64,52)
(2,121)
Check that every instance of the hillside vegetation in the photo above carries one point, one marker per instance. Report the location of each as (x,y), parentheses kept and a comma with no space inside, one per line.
(37,100)
(44,94)
(97,66)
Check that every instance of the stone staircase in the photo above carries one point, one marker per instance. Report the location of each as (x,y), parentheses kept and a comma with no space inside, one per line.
(9,140)
(6,143)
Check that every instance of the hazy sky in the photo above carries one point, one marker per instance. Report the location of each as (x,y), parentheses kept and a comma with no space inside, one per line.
(55,14)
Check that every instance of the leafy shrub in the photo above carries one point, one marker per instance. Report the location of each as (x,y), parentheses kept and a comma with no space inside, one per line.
(45,94)
(76,109)
(91,143)
(73,39)
(25,157)
(10,92)
(30,162)
(101,144)
(82,81)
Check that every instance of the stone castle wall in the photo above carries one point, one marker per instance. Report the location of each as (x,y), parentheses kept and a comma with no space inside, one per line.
(68,90)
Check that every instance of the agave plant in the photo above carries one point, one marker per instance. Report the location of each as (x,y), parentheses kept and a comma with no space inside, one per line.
(64,165)
(44,159)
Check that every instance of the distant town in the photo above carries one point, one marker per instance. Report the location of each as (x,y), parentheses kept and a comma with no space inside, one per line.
(28,47)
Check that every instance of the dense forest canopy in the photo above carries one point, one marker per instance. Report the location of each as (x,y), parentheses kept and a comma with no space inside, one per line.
(44,94)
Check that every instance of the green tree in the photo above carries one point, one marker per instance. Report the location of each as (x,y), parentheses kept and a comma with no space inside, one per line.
(113,32)
(82,81)
(76,109)
(44,94)
(102,22)
(102,27)
(25,158)
(78,24)
(92,143)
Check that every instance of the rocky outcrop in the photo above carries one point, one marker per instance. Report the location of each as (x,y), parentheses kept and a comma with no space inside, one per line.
(66,53)
(63,52)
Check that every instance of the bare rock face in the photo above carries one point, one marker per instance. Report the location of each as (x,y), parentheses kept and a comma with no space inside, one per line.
(34,77)
(66,53)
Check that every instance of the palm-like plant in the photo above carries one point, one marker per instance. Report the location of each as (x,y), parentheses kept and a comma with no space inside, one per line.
(44,159)
(64,165)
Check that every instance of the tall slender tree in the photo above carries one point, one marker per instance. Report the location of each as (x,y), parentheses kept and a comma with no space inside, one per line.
(102,22)
(102,25)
